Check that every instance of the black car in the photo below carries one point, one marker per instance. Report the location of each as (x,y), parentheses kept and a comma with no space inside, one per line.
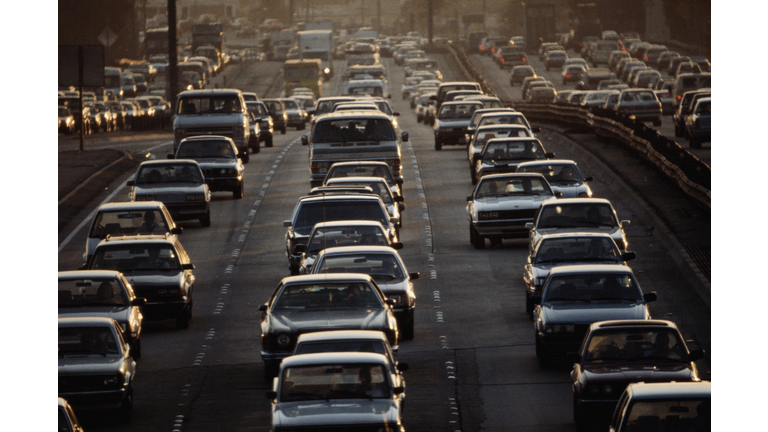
(276,109)
(519,73)
(157,267)
(309,303)
(617,353)
(266,124)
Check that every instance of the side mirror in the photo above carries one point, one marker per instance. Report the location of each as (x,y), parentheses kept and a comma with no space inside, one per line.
(287,224)
(170,156)
(390,301)
(139,301)
(588,179)
(188,266)
(558,194)
(414,275)
(396,113)
(649,297)
(402,367)
(535,129)
(177,230)
(404,136)
(696,355)
(304,140)
(399,389)
(626,256)
(469,198)
(396,245)
(529,225)
(399,199)
(573,357)
(300,248)
(626,222)
(263,307)
(271,395)
(389,96)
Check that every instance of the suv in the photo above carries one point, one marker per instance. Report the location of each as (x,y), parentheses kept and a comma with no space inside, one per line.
(179,184)
(212,112)
(159,270)
(266,125)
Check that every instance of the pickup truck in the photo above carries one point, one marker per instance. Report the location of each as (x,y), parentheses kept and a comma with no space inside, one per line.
(698,124)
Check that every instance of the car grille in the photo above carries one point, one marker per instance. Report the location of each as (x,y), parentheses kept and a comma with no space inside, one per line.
(215,173)
(516,214)
(156,293)
(82,383)
(226,131)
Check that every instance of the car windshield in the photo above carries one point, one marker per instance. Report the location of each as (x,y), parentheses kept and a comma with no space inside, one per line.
(258,109)
(80,341)
(370,345)
(359,129)
(328,237)
(592,287)
(503,119)
(311,213)
(652,344)
(91,292)
(331,295)
(577,216)
(335,381)
(223,104)
(381,266)
(561,174)
(513,150)
(380,188)
(181,173)
(578,249)
(128,222)
(505,186)
(361,171)
(457,111)
(205,149)
(135,257)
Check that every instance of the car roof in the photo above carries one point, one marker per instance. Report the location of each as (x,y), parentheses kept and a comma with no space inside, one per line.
(206,137)
(87,274)
(567,235)
(355,179)
(590,268)
(334,358)
(359,163)
(86,322)
(131,205)
(684,390)
(210,92)
(353,115)
(632,324)
(548,162)
(343,250)
(312,198)
(577,200)
(348,223)
(342,334)
(329,277)
(166,238)
(462,103)
(169,162)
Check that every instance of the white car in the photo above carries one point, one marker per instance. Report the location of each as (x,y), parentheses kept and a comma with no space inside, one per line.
(563,175)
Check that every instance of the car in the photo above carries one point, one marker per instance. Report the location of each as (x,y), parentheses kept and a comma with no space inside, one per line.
(674,406)
(665,58)
(266,125)
(448,86)
(562,96)
(554,250)
(597,98)
(311,210)
(698,124)
(66,121)
(518,73)
(509,58)
(158,269)
(535,84)
(67,419)
(645,78)
(490,131)
(276,109)
(452,122)
(106,293)
(703,62)
(488,101)
(573,73)
(573,61)
(665,97)
(578,215)
(615,56)
(541,94)
(617,353)
(366,168)
(217,157)
(96,367)
(385,266)
(340,391)
(502,155)
(555,59)
(688,82)
(675,62)
(379,187)
(326,235)
(321,302)
(296,116)
(640,103)
(179,184)
(477,115)
(122,218)
(502,205)
(575,296)
(563,176)
(687,67)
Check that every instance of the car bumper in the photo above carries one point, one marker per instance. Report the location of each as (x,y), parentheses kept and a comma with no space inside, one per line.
(186,211)
(223,184)
(560,344)
(457,136)
(504,229)
(596,409)
(161,310)
(100,399)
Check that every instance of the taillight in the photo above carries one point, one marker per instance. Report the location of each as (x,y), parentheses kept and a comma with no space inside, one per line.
(646,58)
(502,60)
(568,75)
(525,59)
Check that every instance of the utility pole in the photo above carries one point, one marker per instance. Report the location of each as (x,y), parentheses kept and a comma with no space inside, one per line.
(173,57)
(430,17)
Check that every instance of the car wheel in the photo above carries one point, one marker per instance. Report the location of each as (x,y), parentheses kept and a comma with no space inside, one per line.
(582,424)
(238,191)
(182,321)
(657,122)
(268,142)
(282,130)
(478,241)
(300,127)
(541,353)
(206,221)
(124,412)
(438,145)
(408,330)
(136,349)
(246,156)
(294,269)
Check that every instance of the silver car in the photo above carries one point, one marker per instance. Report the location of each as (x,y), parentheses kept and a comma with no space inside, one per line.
(563,175)
(217,157)
(380,187)
(386,267)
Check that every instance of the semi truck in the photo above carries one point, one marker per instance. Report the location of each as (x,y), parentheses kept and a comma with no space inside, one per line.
(318,44)
(208,34)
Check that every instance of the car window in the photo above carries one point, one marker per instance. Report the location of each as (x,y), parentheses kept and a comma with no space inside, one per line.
(136,257)
(576,249)
(311,213)
(513,150)
(576,216)
(590,287)
(344,381)
(181,173)
(205,149)
(377,265)
(127,222)
(86,340)
(512,187)
(635,344)
(324,237)
(91,292)
(354,130)
(327,295)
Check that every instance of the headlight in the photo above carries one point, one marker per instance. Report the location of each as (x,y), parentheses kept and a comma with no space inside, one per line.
(284,340)
(327,71)
(145,198)
(600,390)
(195,197)
(488,215)
(397,298)
(112,379)
(319,167)
(559,328)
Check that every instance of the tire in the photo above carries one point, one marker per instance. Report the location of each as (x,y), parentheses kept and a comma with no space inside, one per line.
(408,331)
(123,414)
(246,156)
(301,127)
(238,191)
(256,148)
(136,349)
(182,321)
(657,122)
(678,131)
(477,240)
(294,269)
(438,145)
(282,130)
(543,356)
(206,221)
(268,142)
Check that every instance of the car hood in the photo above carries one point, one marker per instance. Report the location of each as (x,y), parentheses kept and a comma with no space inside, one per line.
(90,364)
(328,319)
(146,278)
(394,286)
(647,371)
(615,232)
(542,270)
(120,314)
(216,163)
(170,188)
(335,412)
(510,202)
(571,190)
(588,313)
(452,123)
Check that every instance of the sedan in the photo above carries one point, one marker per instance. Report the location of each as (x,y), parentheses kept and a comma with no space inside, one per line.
(563,175)
(617,353)
(386,267)
(573,73)
(519,73)
(310,303)
(488,132)
(217,157)
(503,155)
(501,206)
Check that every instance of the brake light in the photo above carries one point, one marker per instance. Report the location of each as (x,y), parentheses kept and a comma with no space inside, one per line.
(493,50)
(502,60)
(525,59)
(646,58)
(568,75)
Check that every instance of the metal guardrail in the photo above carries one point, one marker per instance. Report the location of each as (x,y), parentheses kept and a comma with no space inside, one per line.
(689,172)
